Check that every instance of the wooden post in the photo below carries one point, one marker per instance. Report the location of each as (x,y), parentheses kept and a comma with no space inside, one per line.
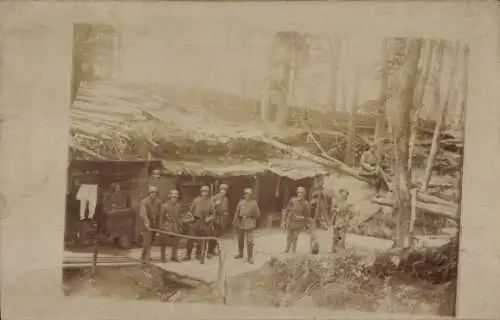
(221,275)
(413,215)
(95,254)
(203,251)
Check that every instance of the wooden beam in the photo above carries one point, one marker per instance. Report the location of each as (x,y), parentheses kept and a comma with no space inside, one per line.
(326,161)
(435,209)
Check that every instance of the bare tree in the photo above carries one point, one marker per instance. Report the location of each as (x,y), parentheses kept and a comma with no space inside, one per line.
(465,88)
(335,51)
(401,137)
(383,95)
(351,131)
(419,97)
(440,121)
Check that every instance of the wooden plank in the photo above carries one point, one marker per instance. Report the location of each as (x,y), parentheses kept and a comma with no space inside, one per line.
(435,209)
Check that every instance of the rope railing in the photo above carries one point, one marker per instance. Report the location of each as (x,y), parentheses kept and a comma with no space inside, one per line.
(221,273)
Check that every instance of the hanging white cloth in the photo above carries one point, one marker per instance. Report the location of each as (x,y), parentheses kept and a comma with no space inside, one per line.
(87,194)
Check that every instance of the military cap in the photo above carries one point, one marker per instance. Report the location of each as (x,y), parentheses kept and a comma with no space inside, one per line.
(301,189)
(173,192)
(247,191)
(223,186)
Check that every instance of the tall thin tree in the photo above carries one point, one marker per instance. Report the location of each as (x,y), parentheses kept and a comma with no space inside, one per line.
(335,51)
(401,137)
(383,97)
(419,97)
(351,131)
(440,120)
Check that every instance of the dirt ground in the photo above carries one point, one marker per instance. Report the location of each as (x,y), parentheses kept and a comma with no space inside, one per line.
(257,289)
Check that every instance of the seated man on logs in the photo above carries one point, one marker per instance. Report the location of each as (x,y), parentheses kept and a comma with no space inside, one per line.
(370,167)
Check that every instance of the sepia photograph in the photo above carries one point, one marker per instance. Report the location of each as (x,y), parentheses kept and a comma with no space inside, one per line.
(265,168)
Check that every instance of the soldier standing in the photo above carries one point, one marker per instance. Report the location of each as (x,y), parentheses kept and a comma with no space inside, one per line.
(297,217)
(172,223)
(151,214)
(200,212)
(340,220)
(245,221)
(320,207)
(220,207)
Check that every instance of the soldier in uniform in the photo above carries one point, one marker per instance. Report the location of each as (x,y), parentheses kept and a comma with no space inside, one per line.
(245,221)
(151,214)
(220,207)
(320,207)
(200,212)
(370,168)
(172,223)
(297,218)
(340,220)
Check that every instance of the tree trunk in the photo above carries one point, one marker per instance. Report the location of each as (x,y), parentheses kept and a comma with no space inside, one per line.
(328,162)
(465,88)
(384,88)
(351,131)
(419,99)
(336,48)
(401,134)
(288,83)
(435,209)
(439,125)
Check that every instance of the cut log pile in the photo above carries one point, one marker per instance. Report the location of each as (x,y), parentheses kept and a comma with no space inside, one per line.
(122,121)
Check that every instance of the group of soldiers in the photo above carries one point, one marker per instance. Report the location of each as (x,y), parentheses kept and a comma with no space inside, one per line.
(323,211)
(207,217)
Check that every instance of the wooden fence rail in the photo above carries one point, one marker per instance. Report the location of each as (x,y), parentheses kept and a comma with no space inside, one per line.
(221,272)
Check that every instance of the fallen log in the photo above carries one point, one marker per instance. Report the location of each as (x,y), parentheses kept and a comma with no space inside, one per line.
(87,151)
(435,209)
(424,197)
(326,161)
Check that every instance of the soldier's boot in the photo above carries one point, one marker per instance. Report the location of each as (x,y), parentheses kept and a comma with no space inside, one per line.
(189,250)
(200,250)
(240,252)
(288,244)
(175,256)
(241,246)
(294,245)
(163,254)
(250,253)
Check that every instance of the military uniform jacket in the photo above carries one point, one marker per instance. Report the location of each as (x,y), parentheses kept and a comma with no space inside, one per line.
(298,213)
(200,208)
(341,215)
(368,158)
(220,207)
(246,215)
(172,216)
(151,211)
